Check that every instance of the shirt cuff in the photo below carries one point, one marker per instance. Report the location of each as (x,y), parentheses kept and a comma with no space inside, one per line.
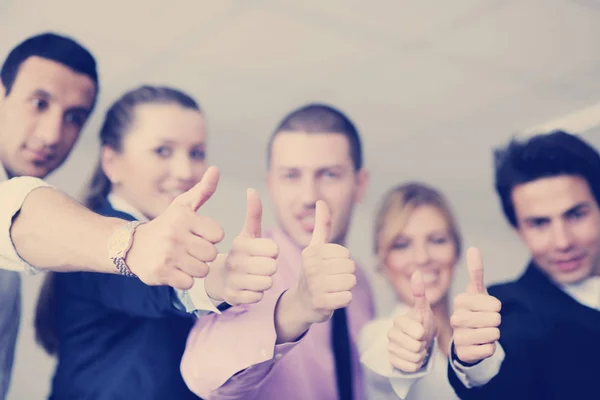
(12,195)
(480,373)
(196,300)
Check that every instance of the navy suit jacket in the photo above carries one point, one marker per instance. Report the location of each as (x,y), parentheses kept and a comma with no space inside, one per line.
(119,338)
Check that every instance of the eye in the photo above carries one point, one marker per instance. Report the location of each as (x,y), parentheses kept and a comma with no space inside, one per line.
(439,240)
(400,245)
(75,119)
(330,175)
(290,175)
(163,151)
(39,104)
(198,154)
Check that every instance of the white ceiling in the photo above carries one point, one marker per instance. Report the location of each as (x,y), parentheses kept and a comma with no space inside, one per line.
(432,85)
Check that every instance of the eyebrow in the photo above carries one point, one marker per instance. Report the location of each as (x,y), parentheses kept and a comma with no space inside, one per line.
(49,96)
(576,207)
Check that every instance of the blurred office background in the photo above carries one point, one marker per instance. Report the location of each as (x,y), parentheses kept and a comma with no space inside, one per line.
(433,86)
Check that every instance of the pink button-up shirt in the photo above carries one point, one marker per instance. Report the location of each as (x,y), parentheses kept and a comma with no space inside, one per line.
(233,355)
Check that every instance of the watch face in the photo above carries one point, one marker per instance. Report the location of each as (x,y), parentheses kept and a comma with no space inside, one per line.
(119,241)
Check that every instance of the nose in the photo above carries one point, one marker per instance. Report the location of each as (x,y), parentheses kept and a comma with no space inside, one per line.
(561,236)
(309,192)
(421,254)
(183,168)
(50,131)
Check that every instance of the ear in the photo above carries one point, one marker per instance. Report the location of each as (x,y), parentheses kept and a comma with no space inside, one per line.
(362,181)
(109,159)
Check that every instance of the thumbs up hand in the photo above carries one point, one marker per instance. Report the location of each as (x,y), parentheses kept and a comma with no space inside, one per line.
(249,266)
(327,273)
(176,246)
(476,316)
(412,335)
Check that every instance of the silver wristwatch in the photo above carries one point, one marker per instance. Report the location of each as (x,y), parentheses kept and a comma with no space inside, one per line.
(119,244)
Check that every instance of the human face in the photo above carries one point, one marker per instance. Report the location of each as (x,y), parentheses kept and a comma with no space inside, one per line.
(425,244)
(559,221)
(42,116)
(306,167)
(162,156)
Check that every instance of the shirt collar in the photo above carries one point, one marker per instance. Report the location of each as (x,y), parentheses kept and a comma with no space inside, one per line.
(120,204)
(586,292)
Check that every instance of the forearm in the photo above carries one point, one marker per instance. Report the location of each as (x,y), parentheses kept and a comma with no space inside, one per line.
(289,324)
(54,232)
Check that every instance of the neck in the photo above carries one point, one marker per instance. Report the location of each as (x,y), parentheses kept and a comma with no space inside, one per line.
(441,316)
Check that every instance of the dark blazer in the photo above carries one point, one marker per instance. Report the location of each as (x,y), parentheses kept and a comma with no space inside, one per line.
(552,344)
(119,338)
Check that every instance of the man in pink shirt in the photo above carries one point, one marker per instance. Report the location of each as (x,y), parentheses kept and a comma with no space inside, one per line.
(298,341)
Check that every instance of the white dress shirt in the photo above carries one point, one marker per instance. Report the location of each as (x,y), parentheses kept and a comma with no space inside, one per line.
(10,288)
(384,382)
(586,292)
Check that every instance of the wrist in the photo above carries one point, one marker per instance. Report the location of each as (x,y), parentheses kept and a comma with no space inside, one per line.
(455,357)
(213,282)
(291,321)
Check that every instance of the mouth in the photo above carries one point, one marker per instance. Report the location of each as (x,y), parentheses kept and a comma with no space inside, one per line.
(307,222)
(430,278)
(173,193)
(39,156)
(569,264)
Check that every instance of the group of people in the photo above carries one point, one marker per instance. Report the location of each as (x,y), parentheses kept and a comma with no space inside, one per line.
(138,303)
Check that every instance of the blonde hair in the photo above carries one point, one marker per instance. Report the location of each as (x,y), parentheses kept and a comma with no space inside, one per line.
(398,205)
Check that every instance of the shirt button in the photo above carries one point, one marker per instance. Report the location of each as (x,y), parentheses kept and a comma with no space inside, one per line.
(278,356)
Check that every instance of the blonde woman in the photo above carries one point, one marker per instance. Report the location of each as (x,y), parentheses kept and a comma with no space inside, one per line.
(417,243)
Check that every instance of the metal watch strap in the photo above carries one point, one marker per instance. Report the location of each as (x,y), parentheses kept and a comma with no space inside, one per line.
(119,259)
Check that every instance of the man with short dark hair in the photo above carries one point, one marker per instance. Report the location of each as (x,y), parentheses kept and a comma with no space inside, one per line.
(299,341)
(49,86)
(537,337)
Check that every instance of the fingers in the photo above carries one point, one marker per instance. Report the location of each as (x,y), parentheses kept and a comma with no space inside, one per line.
(402,339)
(200,249)
(421,305)
(477,302)
(261,247)
(475,320)
(404,365)
(469,337)
(322,224)
(407,325)
(475,267)
(327,251)
(192,266)
(252,283)
(180,280)
(202,191)
(401,353)
(471,354)
(339,283)
(252,224)
(332,301)
(206,228)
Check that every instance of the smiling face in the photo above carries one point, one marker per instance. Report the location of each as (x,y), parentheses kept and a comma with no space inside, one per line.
(162,156)
(425,243)
(559,221)
(306,167)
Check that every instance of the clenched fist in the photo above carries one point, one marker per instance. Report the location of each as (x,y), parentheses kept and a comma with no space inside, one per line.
(476,318)
(247,271)
(412,335)
(327,272)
